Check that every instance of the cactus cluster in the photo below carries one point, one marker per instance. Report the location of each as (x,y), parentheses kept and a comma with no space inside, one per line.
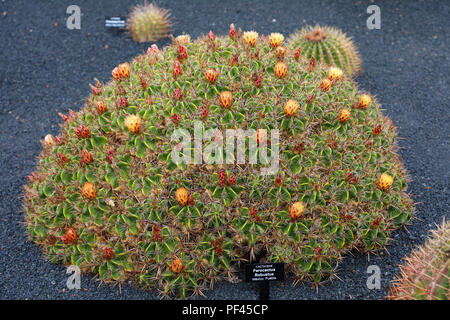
(425,275)
(148,23)
(108,197)
(327,45)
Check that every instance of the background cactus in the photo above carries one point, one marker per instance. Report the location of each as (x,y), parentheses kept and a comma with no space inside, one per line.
(134,213)
(425,275)
(327,45)
(148,22)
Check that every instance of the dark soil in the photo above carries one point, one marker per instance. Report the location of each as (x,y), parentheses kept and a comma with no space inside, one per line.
(46,68)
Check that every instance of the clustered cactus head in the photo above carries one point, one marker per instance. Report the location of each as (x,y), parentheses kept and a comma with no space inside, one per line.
(134,212)
(327,45)
(148,23)
(425,274)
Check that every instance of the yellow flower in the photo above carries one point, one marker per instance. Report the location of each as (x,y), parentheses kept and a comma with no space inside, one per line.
(296,210)
(344,115)
(335,73)
(290,108)
(133,123)
(385,181)
(276,39)
(250,37)
(280,69)
(364,101)
(182,196)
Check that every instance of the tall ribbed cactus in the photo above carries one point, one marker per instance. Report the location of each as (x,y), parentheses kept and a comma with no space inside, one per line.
(327,45)
(425,275)
(148,22)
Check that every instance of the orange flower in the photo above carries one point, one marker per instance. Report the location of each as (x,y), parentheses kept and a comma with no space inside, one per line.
(86,156)
(296,210)
(71,235)
(226,97)
(385,181)
(116,73)
(88,190)
(280,52)
(124,70)
(211,75)
(101,106)
(280,69)
(182,196)
(364,101)
(176,266)
(276,39)
(133,123)
(335,73)
(290,108)
(250,37)
(325,85)
(344,115)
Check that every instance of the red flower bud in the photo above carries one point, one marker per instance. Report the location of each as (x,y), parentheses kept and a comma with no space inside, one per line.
(231,179)
(377,130)
(232,32)
(108,252)
(312,62)
(211,35)
(297,53)
(177,69)
(182,53)
(176,118)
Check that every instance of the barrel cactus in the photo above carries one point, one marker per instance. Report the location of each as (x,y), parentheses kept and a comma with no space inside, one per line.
(109,196)
(327,45)
(425,274)
(148,22)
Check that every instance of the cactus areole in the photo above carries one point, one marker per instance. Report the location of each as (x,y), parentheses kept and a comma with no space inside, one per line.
(133,212)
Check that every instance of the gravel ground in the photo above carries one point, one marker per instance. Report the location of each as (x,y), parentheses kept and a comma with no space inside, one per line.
(46,69)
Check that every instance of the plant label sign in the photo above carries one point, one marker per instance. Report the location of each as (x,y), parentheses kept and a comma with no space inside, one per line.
(115,22)
(264,272)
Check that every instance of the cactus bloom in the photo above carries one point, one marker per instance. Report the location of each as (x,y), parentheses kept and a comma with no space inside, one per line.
(108,253)
(101,106)
(49,140)
(86,156)
(124,70)
(280,52)
(280,69)
(291,107)
(325,85)
(182,196)
(211,75)
(133,123)
(176,266)
(276,39)
(226,98)
(364,101)
(335,73)
(344,115)
(385,181)
(250,37)
(296,210)
(88,190)
(71,235)
(177,71)
(232,32)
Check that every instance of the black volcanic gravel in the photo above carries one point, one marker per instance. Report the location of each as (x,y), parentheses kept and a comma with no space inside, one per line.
(46,68)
